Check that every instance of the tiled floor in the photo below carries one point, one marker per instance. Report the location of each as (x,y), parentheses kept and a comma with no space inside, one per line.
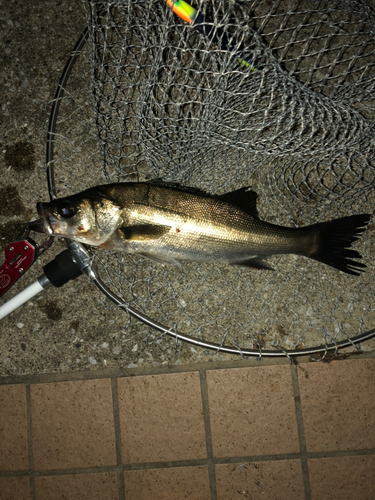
(243,430)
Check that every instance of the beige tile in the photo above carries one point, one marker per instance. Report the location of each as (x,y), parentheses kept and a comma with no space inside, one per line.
(338,404)
(279,479)
(161,418)
(14,488)
(13,428)
(252,411)
(176,483)
(101,486)
(342,478)
(72,424)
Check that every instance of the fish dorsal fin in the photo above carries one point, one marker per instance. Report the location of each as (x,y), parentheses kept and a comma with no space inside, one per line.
(243,198)
(177,187)
(144,232)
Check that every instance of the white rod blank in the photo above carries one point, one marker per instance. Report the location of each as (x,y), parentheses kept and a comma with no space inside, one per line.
(23,297)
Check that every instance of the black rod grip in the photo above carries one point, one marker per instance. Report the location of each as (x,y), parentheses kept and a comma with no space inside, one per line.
(62,269)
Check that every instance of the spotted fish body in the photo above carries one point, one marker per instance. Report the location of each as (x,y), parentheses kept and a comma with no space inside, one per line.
(172,224)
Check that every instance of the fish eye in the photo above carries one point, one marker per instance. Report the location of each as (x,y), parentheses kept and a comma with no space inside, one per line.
(66,209)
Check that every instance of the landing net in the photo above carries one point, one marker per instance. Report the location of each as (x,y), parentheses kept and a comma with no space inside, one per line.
(279,96)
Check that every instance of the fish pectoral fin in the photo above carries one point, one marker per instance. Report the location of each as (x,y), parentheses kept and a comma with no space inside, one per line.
(160,259)
(144,232)
(254,263)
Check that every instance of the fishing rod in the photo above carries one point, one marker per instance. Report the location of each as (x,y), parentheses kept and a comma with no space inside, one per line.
(217,36)
(21,254)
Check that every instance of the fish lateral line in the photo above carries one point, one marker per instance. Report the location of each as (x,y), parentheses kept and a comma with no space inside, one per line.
(177,225)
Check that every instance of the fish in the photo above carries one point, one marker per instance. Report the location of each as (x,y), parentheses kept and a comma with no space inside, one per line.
(172,224)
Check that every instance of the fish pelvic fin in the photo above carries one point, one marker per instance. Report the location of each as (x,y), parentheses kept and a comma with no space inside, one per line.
(334,239)
(144,232)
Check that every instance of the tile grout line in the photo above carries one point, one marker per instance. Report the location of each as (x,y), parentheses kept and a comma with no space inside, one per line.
(301,431)
(45,378)
(207,427)
(186,463)
(116,418)
(30,454)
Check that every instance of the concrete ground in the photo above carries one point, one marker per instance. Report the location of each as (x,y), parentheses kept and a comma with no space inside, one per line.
(68,329)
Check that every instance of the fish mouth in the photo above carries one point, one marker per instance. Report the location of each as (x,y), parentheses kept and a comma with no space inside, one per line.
(46,225)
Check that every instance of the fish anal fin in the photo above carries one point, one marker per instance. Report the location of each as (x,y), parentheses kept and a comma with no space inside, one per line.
(244,198)
(254,263)
(144,232)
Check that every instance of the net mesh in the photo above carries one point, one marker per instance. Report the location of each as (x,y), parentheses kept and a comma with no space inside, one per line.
(276,95)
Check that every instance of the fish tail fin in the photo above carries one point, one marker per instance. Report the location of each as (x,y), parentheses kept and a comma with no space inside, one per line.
(334,241)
